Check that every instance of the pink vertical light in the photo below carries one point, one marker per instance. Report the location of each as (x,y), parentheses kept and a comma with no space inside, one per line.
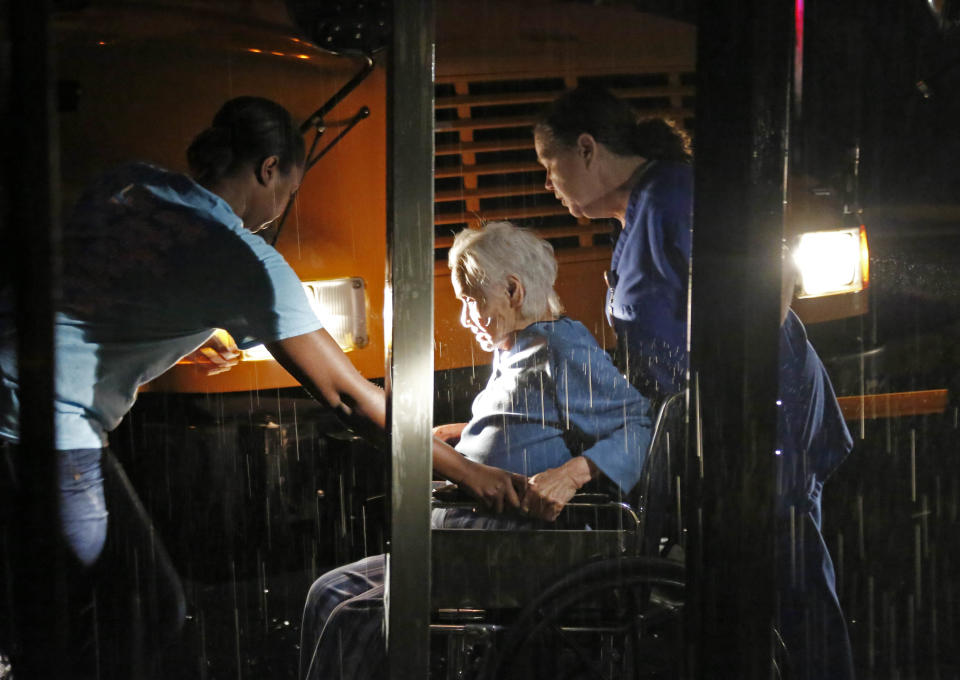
(798,53)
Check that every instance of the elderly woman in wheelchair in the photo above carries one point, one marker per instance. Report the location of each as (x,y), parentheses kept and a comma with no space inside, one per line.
(555,411)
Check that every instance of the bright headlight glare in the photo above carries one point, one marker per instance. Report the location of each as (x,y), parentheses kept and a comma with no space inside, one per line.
(829,262)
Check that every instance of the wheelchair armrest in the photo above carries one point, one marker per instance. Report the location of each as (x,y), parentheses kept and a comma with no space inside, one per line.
(594,510)
(591,498)
(447,494)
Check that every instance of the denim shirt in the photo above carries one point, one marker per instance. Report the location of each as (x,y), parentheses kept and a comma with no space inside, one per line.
(553,394)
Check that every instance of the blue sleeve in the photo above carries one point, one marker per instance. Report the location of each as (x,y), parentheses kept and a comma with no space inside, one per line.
(812,434)
(288,312)
(611,416)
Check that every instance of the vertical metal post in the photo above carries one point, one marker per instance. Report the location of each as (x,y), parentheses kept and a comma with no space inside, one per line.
(31,241)
(410,365)
(744,65)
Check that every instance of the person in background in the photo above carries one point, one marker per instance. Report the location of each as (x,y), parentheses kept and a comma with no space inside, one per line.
(154,261)
(554,409)
(603,160)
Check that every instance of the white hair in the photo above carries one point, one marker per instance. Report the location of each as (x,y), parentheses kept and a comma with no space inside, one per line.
(482,258)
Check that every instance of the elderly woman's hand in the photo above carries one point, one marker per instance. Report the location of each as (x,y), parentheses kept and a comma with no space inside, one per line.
(550,490)
(495,487)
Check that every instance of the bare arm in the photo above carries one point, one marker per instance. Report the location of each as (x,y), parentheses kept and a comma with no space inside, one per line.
(319,364)
(450,432)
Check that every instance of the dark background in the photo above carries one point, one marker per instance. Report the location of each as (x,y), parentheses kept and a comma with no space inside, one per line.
(884,77)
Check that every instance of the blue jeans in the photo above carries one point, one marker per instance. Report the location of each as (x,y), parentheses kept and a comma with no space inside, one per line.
(342,635)
(83,505)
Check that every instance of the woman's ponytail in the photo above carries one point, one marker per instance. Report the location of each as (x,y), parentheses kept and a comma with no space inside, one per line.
(661,139)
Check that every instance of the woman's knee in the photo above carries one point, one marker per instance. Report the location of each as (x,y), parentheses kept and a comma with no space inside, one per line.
(342,584)
(83,508)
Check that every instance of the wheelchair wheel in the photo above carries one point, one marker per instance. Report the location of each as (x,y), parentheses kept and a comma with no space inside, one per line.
(616,618)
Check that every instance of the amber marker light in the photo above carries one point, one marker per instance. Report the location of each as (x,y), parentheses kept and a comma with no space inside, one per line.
(864,257)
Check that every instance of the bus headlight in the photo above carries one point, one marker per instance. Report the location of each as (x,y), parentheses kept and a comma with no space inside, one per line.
(832,262)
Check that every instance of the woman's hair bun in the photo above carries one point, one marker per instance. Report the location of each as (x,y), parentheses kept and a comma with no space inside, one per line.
(662,139)
(210,155)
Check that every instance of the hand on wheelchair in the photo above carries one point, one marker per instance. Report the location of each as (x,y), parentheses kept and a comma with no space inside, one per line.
(549,491)
(496,488)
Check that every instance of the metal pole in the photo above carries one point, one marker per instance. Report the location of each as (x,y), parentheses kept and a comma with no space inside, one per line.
(31,241)
(410,364)
(744,65)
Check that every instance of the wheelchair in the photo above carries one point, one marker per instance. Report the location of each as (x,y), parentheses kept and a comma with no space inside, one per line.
(598,594)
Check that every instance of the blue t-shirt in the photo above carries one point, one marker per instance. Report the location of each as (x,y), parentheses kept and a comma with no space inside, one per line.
(647,298)
(152,263)
(554,394)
